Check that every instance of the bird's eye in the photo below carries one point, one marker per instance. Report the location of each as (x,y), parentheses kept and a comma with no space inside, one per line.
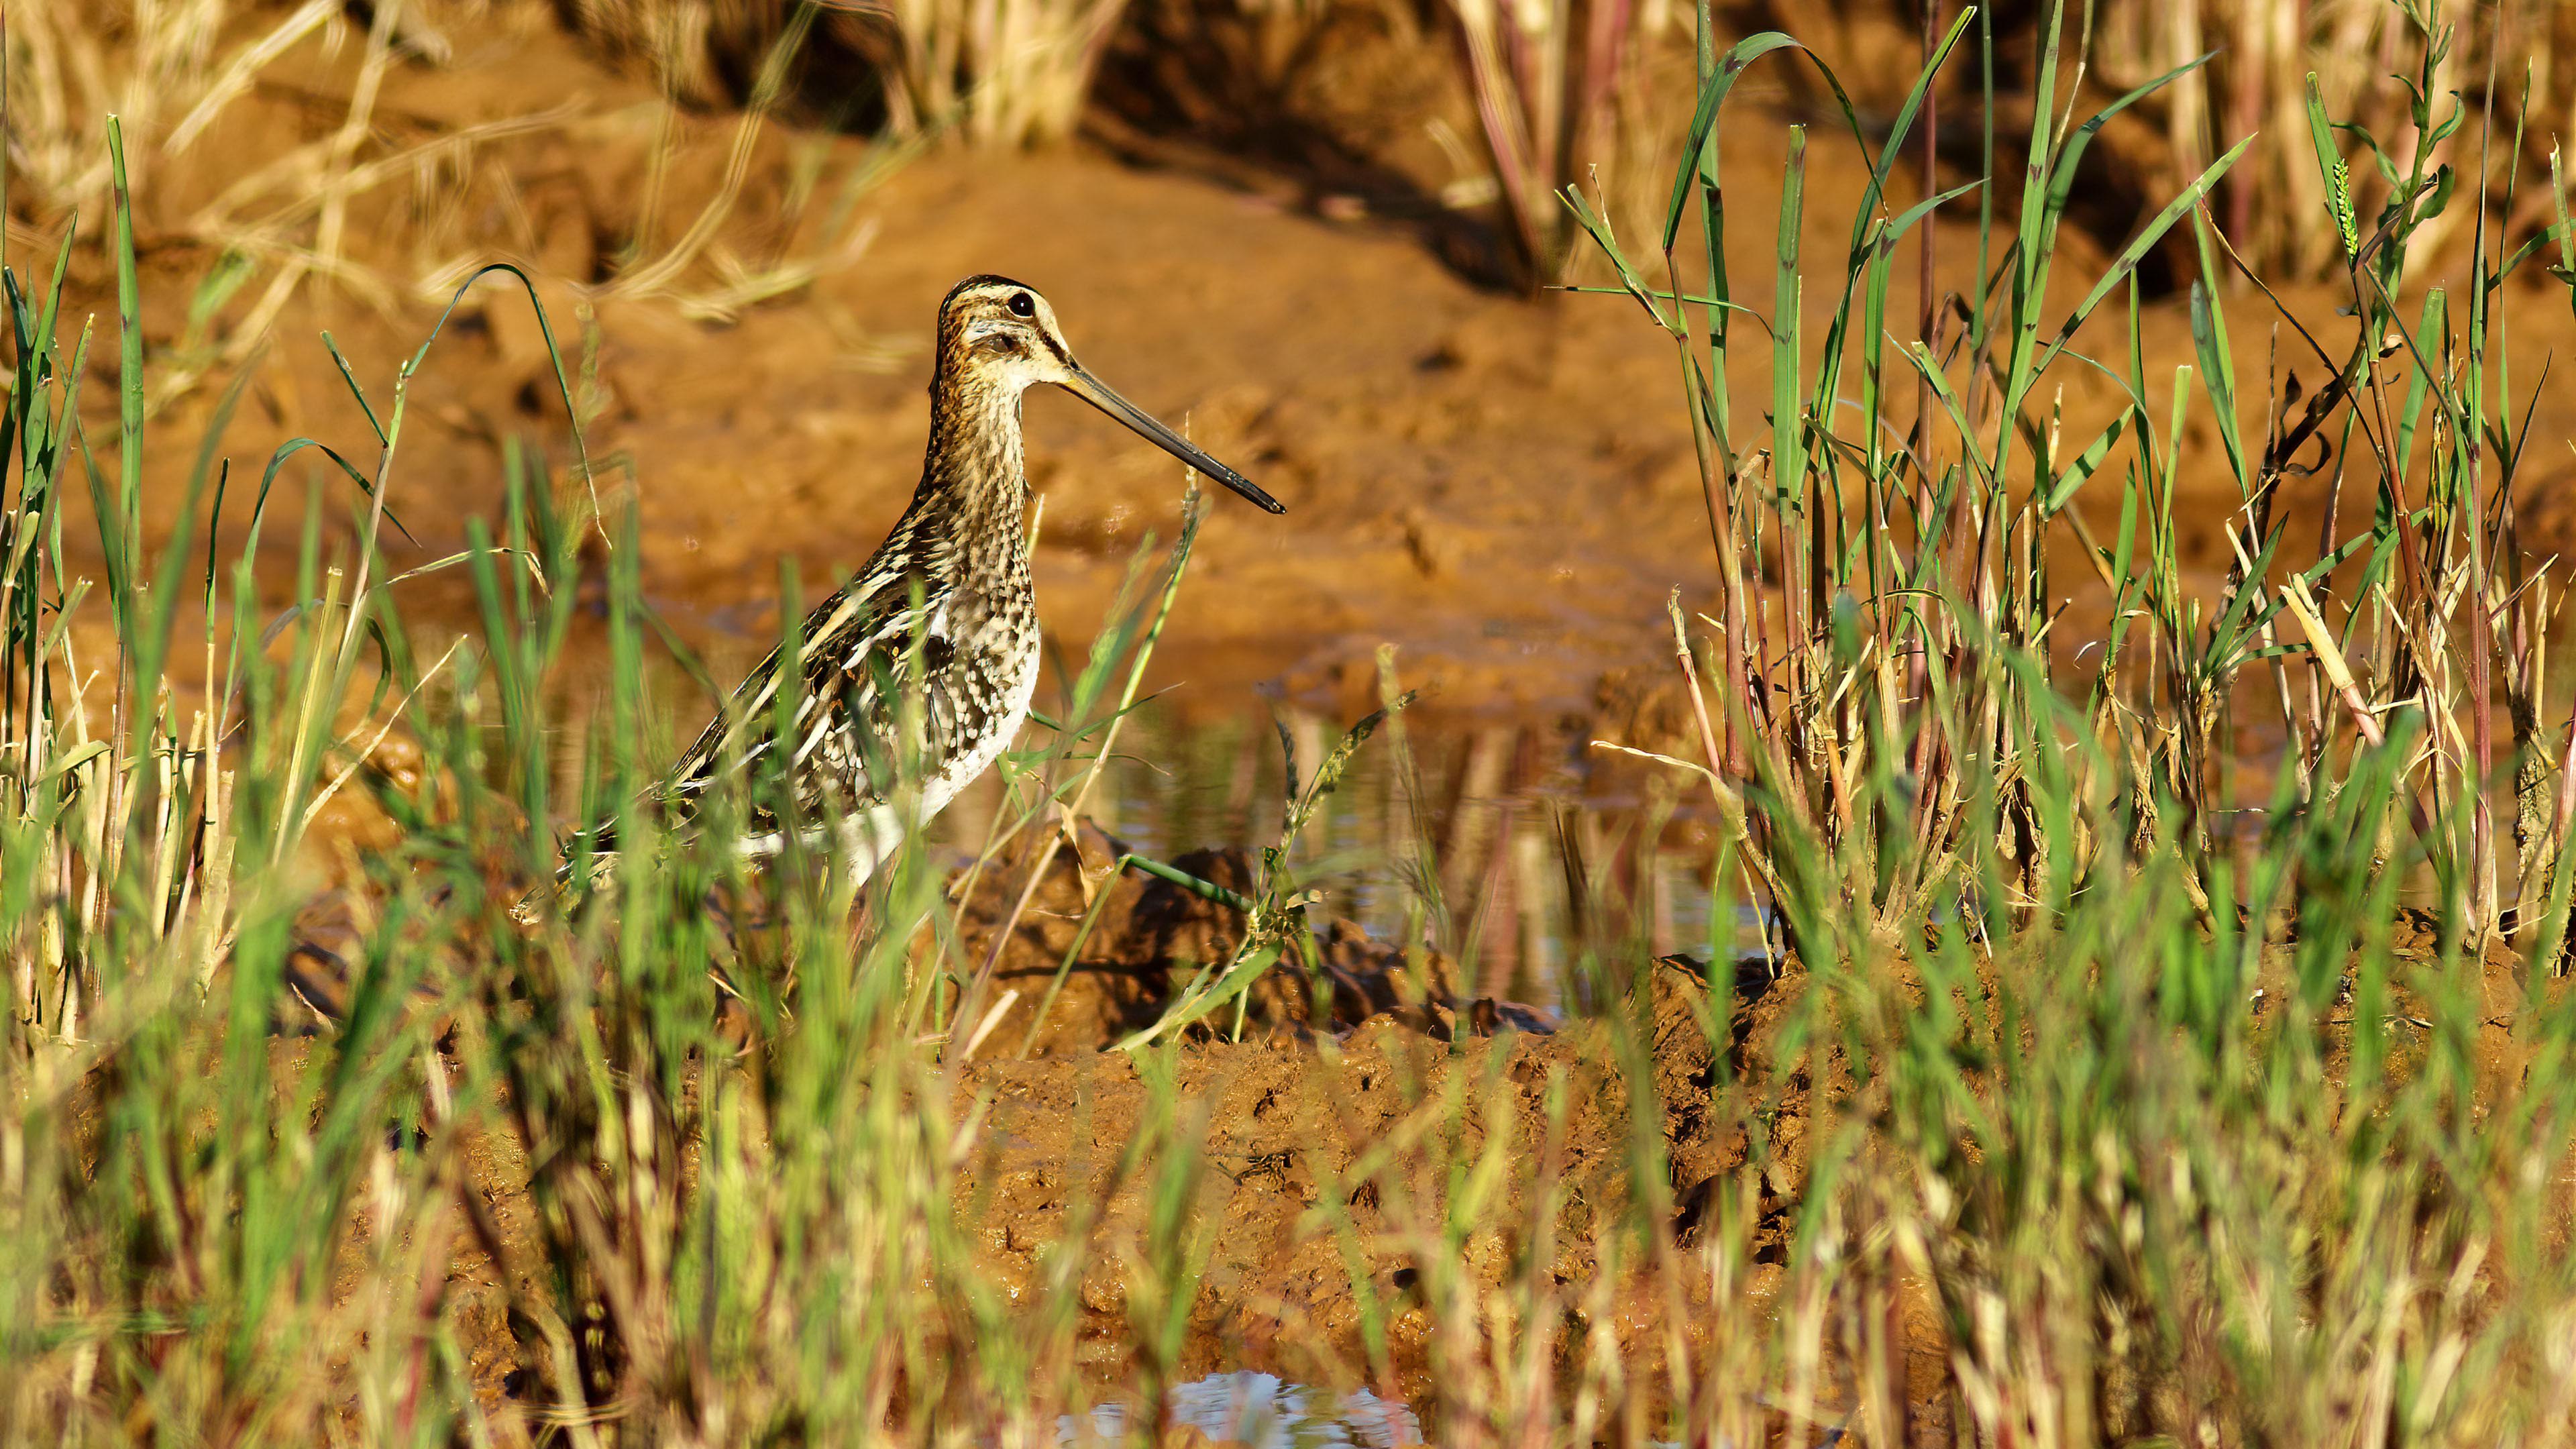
(1021,306)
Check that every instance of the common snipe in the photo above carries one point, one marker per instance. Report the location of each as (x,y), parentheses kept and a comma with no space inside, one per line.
(940,627)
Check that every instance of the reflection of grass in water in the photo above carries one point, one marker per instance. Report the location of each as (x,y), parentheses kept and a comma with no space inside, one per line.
(2073,1118)
(1215,783)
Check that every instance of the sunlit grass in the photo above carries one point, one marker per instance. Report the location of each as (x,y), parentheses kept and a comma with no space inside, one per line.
(2068,1111)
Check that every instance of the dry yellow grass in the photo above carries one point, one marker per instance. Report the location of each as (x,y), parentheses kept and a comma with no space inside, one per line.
(1548,87)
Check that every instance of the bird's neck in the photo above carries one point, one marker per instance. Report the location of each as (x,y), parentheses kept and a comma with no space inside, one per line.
(973,488)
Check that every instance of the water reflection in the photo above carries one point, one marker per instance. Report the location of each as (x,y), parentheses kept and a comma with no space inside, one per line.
(1262,1411)
(1488,819)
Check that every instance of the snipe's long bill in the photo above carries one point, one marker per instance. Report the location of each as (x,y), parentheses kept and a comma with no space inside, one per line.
(940,627)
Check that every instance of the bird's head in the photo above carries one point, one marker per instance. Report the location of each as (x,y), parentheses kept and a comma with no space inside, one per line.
(1004,334)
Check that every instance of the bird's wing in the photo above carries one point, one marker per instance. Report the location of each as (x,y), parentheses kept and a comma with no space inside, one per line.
(858,649)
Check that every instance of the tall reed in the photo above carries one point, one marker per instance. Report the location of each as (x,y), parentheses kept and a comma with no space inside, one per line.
(1861,567)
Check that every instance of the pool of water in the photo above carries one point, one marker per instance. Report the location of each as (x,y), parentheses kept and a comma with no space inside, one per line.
(1490,820)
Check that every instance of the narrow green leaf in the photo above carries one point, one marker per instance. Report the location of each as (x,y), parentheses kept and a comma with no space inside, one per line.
(2145,241)
(2074,476)
(1712,94)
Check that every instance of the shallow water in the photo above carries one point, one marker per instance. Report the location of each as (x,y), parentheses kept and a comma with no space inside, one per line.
(1477,815)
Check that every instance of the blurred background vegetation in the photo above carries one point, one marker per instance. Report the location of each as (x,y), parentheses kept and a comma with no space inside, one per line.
(1424,109)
